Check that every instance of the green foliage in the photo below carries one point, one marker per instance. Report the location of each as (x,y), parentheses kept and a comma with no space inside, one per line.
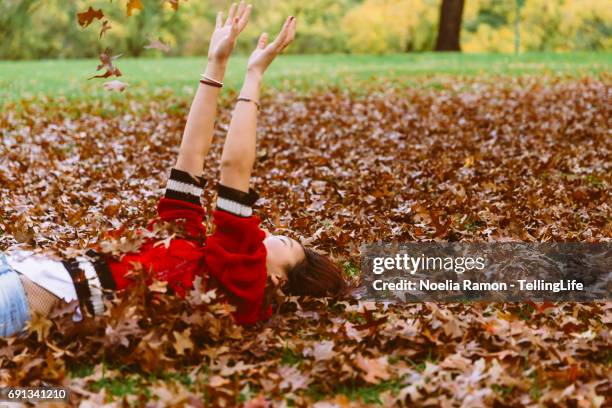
(384,26)
(319,24)
(545,25)
(31,29)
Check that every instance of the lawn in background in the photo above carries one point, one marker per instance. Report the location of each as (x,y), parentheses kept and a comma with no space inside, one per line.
(27,79)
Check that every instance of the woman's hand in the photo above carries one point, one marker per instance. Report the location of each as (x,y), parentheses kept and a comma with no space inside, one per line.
(224,37)
(263,55)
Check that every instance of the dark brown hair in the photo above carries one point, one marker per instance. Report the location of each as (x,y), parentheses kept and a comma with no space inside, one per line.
(315,276)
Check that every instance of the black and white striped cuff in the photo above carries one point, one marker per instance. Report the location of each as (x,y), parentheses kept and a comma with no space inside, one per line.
(90,280)
(102,269)
(95,287)
(183,186)
(233,207)
(235,201)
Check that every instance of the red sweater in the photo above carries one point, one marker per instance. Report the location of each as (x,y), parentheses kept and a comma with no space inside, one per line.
(234,255)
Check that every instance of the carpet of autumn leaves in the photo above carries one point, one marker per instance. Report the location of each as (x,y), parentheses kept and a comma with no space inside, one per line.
(510,159)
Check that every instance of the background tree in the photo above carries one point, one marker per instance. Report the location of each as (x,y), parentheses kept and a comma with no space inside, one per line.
(449,28)
(517,25)
(14,16)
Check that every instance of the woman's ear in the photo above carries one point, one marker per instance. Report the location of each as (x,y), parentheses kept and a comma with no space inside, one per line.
(278,275)
(274,278)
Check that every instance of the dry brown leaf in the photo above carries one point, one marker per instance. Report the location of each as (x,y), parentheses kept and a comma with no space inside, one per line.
(87,17)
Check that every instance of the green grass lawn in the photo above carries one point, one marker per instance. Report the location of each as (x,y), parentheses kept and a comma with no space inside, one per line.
(300,72)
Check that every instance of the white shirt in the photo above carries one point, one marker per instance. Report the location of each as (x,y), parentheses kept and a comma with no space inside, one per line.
(46,273)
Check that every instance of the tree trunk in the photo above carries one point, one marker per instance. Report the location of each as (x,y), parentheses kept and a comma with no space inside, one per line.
(518,4)
(449,27)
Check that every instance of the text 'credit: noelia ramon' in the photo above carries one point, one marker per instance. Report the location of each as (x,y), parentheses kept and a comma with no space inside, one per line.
(469,285)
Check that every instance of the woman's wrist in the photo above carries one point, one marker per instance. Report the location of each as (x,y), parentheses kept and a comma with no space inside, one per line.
(253,75)
(215,70)
(251,86)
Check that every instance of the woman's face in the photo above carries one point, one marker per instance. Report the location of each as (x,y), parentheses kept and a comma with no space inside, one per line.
(282,252)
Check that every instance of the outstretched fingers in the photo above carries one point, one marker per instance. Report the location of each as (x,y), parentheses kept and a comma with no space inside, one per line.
(219,22)
(263,40)
(240,11)
(244,17)
(241,8)
(238,17)
(230,14)
(235,27)
(291,34)
(280,39)
(264,54)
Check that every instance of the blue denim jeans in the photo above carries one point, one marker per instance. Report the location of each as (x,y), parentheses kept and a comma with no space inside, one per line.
(14,310)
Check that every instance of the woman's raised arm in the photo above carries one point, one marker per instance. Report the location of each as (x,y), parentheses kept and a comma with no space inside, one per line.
(239,149)
(198,132)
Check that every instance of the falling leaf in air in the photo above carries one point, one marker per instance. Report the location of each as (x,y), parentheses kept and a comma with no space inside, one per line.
(105,27)
(155,43)
(174,4)
(106,61)
(87,17)
(115,85)
(133,5)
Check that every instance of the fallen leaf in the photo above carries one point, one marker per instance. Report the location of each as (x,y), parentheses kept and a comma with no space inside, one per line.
(374,369)
(182,341)
(217,381)
(321,351)
(40,325)
(293,379)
